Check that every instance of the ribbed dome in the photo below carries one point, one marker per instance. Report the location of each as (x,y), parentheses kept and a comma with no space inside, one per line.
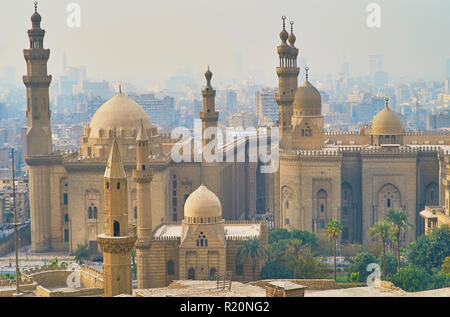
(307,100)
(386,122)
(202,203)
(120,112)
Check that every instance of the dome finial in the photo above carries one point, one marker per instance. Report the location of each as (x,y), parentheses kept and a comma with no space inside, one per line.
(292,26)
(35,6)
(307,70)
(284,22)
(386,100)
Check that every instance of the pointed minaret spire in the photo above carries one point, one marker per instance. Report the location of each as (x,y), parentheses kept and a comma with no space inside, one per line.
(284,34)
(292,37)
(114,166)
(142,133)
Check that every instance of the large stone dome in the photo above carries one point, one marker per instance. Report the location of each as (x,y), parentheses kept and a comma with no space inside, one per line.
(387,122)
(307,101)
(203,204)
(121,114)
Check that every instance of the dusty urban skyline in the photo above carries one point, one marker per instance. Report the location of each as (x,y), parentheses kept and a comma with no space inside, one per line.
(153,40)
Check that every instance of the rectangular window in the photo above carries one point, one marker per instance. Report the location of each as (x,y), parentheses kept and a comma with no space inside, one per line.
(66,235)
(66,217)
(66,198)
(322,224)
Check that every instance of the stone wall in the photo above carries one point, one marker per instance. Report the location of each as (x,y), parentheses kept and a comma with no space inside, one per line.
(7,243)
(312,284)
(91,278)
(44,292)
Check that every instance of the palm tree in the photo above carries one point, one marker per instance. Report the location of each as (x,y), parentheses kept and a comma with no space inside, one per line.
(294,253)
(81,253)
(251,249)
(399,221)
(334,229)
(382,230)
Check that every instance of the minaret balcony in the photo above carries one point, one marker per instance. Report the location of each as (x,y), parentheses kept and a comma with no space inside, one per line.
(37,80)
(143,176)
(118,245)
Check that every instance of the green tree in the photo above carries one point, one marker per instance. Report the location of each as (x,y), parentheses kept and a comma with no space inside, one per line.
(360,263)
(381,231)
(81,253)
(411,279)
(334,229)
(294,253)
(429,251)
(253,250)
(446,265)
(399,223)
(277,235)
(306,238)
(391,263)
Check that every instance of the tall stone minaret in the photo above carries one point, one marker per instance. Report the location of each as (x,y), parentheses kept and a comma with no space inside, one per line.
(39,136)
(143,176)
(210,170)
(37,81)
(116,243)
(209,115)
(287,72)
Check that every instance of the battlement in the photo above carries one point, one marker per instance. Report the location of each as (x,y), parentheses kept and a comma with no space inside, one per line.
(167,238)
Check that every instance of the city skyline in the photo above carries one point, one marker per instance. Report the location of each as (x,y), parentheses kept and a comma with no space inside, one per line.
(183,38)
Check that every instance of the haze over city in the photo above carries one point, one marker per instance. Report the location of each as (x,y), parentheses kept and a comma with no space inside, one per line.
(145,42)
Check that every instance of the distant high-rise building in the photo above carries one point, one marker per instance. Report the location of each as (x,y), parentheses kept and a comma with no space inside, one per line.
(345,69)
(230,102)
(160,111)
(375,64)
(266,106)
(447,67)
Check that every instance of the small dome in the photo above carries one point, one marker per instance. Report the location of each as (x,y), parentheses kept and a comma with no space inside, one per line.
(202,203)
(307,100)
(36,17)
(387,122)
(118,113)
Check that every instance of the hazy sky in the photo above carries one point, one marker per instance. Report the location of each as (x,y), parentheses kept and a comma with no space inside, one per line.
(137,39)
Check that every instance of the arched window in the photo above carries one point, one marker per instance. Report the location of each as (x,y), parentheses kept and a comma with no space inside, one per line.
(90,212)
(191,274)
(170,268)
(212,274)
(306,130)
(388,203)
(95,212)
(116,229)
(143,167)
(118,185)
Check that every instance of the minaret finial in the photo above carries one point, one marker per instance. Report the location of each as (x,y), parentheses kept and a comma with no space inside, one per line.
(307,70)
(292,26)
(386,100)
(284,21)
(208,76)
(35,6)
